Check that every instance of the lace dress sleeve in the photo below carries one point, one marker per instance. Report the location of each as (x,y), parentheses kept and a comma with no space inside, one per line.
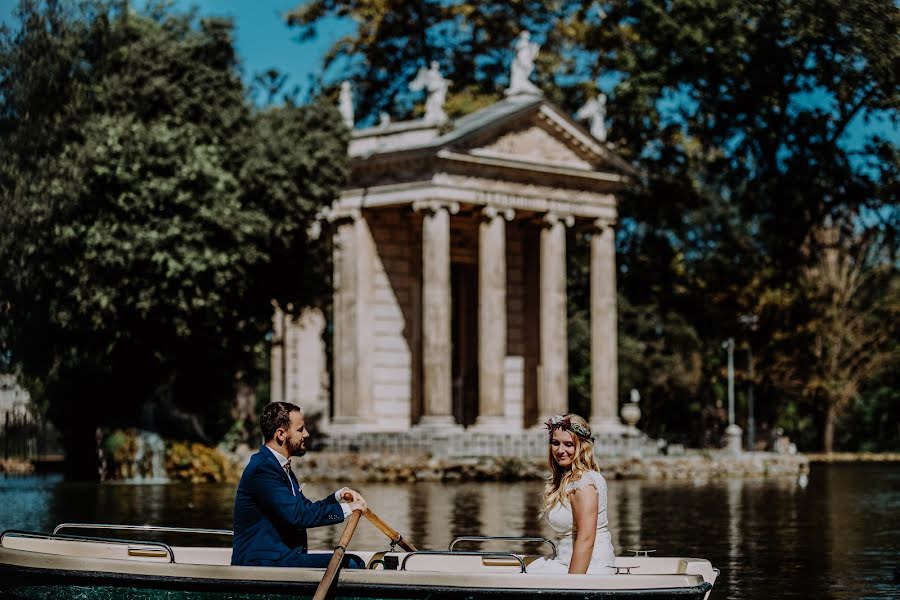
(591,478)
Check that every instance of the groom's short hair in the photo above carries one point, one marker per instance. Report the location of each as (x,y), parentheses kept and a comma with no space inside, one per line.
(275,415)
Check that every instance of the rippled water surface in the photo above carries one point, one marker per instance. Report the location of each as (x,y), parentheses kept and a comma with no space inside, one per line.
(836,537)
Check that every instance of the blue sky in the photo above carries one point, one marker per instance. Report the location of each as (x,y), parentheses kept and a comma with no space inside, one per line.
(262,38)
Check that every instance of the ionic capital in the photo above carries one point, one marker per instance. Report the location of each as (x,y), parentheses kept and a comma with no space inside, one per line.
(338,216)
(601,224)
(489,213)
(327,218)
(552,218)
(433,206)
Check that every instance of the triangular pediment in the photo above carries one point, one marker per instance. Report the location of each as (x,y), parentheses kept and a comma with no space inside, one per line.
(517,133)
(541,134)
(532,143)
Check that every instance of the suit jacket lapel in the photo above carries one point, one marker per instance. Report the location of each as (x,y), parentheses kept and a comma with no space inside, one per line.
(266,452)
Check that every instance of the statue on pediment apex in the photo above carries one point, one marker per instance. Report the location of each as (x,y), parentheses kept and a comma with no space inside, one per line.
(522,67)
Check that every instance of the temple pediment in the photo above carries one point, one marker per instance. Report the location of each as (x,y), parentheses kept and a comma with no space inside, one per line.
(532,144)
(517,130)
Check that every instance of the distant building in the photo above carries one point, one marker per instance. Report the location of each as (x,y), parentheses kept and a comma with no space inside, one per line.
(14,399)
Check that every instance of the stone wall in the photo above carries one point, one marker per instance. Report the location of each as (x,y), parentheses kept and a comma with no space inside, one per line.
(410,467)
(468,444)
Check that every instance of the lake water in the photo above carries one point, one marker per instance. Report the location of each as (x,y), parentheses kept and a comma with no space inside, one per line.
(837,536)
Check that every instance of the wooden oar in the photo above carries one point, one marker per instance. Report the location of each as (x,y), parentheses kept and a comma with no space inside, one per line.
(384,528)
(389,531)
(334,565)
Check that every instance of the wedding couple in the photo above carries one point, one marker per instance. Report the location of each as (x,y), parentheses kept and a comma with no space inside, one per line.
(271,514)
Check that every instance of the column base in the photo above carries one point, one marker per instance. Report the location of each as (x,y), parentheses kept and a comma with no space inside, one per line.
(438,423)
(351,425)
(491,424)
(611,426)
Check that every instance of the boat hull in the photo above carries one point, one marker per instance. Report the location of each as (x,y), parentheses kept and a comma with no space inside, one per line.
(55,584)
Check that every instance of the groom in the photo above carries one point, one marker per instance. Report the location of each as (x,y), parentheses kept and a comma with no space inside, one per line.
(271,513)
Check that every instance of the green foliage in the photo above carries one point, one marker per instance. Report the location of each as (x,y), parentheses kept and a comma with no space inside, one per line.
(152,216)
(876,411)
(739,116)
(196,463)
(847,330)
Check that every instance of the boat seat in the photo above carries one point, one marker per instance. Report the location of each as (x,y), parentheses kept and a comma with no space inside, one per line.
(195,555)
(452,562)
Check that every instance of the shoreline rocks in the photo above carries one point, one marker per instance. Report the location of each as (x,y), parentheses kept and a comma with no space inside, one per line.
(391,468)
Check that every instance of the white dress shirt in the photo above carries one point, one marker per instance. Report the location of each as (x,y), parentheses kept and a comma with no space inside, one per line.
(338,495)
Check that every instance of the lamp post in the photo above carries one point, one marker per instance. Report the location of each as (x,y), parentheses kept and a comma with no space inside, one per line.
(733,433)
(750,322)
(751,421)
(728,345)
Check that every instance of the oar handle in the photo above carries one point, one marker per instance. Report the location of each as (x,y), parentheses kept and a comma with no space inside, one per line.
(386,529)
(334,565)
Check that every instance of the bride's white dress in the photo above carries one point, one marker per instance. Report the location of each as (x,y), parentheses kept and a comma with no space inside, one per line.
(603,558)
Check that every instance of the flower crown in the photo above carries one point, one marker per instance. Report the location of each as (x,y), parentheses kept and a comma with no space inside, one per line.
(561,422)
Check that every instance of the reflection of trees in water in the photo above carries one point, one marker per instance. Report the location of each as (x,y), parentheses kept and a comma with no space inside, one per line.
(201,505)
(468,502)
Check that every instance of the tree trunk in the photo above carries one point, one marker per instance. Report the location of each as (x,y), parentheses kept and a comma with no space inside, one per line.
(828,429)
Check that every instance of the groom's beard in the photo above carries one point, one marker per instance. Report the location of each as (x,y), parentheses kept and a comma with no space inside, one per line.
(295,449)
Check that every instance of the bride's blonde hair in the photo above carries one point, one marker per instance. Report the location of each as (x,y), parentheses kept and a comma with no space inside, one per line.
(582,462)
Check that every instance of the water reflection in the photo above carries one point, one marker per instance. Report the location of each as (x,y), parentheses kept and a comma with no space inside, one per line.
(837,537)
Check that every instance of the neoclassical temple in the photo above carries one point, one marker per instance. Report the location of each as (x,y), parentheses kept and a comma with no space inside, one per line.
(449,309)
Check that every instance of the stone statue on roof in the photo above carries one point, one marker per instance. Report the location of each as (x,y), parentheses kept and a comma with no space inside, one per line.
(436,86)
(345,104)
(594,111)
(522,66)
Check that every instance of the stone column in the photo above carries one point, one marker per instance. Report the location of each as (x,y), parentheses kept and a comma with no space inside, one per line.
(553,372)
(437,351)
(492,320)
(277,355)
(604,354)
(308,373)
(354,336)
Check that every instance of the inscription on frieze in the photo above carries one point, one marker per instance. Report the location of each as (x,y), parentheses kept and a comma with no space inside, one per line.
(522,202)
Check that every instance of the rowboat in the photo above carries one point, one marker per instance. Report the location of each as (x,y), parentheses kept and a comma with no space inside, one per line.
(62,566)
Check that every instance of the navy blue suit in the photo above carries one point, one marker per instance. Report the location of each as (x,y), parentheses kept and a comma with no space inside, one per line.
(270,521)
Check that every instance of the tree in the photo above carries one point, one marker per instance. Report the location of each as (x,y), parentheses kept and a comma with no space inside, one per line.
(849,329)
(152,217)
(744,117)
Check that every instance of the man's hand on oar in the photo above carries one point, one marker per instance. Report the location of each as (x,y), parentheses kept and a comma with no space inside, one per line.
(355,499)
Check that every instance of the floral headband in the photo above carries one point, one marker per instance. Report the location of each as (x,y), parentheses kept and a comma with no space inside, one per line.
(561,422)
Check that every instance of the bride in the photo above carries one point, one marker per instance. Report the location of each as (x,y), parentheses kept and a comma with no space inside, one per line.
(575,502)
